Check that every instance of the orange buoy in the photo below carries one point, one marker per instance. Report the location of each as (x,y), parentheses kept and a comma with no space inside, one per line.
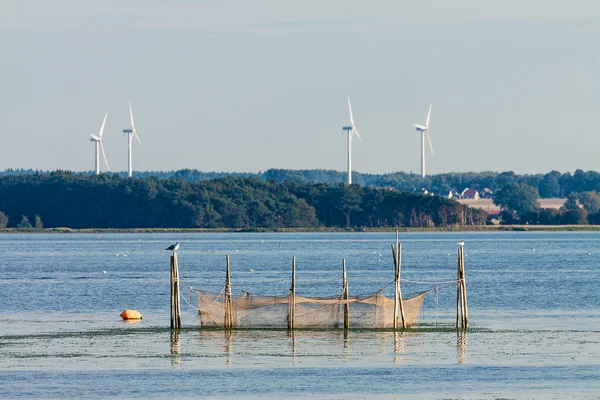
(131,314)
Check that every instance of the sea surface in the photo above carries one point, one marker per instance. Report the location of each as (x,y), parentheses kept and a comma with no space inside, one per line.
(534,316)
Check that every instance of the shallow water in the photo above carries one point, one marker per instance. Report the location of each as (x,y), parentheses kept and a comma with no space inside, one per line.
(533,314)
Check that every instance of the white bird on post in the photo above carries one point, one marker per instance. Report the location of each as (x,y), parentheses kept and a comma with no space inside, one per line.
(173,247)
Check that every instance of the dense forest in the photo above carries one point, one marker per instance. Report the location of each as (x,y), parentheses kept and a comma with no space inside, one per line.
(552,184)
(65,199)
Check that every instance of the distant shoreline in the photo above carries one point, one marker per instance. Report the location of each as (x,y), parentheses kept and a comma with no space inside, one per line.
(478,228)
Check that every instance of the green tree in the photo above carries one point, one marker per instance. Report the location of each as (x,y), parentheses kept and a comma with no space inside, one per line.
(518,198)
(571,203)
(578,216)
(24,222)
(549,186)
(38,222)
(590,201)
(3,220)
(350,199)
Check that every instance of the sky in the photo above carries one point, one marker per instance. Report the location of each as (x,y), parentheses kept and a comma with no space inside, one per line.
(245,86)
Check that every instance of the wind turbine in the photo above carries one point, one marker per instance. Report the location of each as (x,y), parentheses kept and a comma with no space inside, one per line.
(424,129)
(351,131)
(131,132)
(99,146)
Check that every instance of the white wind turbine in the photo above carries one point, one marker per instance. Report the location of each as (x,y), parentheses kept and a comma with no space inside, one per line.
(131,132)
(424,129)
(99,146)
(351,131)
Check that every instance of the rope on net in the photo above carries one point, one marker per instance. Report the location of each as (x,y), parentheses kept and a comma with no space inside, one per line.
(186,300)
(432,283)
(197,291)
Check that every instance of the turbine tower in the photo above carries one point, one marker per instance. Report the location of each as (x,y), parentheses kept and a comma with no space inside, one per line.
(424,129)
(351,131)
(99,146)
(130,133)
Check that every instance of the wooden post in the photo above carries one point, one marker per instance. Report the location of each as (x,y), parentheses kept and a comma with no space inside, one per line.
(178,292)
(175,301)
(292,297)
(398,302)
(458,292)
(396,294)
(172,265)
(462,310)
(228,322)
(345,296)
(465,308)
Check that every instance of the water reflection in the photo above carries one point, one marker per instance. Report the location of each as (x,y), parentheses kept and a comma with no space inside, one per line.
(227,347)
(398,347)
(175,347)
(292,336)
(461,346)
(346,344)
(302,347)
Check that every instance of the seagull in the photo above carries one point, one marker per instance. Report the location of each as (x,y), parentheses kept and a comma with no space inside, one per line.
(173,247)
(251,270)
(461,243)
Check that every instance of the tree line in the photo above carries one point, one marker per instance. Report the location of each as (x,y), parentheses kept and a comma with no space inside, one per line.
(65,199)
(520,205)
(552,184)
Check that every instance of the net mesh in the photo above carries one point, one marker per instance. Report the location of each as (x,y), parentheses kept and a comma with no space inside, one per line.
(255,311)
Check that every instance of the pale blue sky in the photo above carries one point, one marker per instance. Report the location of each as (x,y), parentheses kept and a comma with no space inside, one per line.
(250,85)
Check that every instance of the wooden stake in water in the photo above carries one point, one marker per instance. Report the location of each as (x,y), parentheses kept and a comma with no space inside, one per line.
(228,321)
(345,296)
(175,303)
(292,297)
(458,291)
(465,307)
(398,302)
(462,309)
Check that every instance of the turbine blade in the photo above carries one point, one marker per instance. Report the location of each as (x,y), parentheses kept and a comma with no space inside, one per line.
(103,122)
(430,146)
(136,136)
(131,116)
(351,117)
(94,137)
(356,131)
(428,116)
(104,154)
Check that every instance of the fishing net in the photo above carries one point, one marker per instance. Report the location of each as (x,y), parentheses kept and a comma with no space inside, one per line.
(256,311)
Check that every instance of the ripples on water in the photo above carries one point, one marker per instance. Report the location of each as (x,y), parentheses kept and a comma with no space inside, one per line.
(534,317)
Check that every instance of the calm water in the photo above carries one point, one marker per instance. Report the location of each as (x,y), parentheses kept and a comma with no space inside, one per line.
(534,317)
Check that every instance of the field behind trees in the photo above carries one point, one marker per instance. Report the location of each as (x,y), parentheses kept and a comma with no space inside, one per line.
(488,204)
